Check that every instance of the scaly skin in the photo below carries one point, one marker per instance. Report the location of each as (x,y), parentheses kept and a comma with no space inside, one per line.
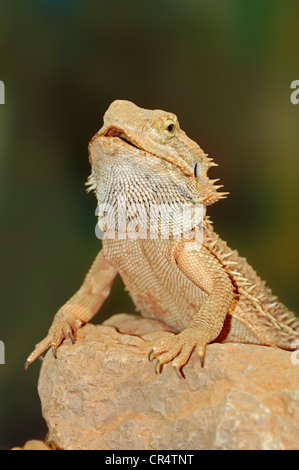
(200,287)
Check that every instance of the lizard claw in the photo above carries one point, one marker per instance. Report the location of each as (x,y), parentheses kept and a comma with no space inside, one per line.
(158,367)
(151,355)
(28,362)
(201,351)
(71,336)
(54,351)
(179,372)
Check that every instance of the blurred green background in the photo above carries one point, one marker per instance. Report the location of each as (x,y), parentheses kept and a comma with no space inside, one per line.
(223,66)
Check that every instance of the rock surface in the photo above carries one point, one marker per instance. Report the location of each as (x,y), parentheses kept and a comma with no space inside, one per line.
(33,445)
(102,393)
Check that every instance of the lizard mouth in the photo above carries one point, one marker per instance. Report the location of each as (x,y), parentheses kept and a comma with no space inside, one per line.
(116,132)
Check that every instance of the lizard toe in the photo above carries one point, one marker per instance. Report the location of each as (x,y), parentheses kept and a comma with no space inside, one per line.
(157,350)
(169,355)
(183,357)
(53,340)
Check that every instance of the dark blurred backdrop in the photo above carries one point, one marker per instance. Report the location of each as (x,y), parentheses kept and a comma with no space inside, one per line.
(223,66)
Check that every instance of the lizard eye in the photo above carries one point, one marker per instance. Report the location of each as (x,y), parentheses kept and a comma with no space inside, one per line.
(169,126)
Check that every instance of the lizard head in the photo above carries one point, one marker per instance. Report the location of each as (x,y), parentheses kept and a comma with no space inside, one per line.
(146,156)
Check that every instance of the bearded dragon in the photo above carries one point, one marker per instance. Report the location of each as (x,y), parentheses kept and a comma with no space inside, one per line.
(199,287)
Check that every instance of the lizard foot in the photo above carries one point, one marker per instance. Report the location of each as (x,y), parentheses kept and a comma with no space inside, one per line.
(178,349)
(60,329)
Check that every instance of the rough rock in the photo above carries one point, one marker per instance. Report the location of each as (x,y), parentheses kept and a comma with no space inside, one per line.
(33,445)
(102,393)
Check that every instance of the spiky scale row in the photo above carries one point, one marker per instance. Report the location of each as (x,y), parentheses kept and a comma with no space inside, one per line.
(250,286)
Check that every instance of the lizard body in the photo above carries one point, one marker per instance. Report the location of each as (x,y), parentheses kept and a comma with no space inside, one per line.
(202,288)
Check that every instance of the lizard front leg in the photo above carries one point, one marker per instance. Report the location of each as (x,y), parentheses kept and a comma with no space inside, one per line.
(80,308)
(202,268)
